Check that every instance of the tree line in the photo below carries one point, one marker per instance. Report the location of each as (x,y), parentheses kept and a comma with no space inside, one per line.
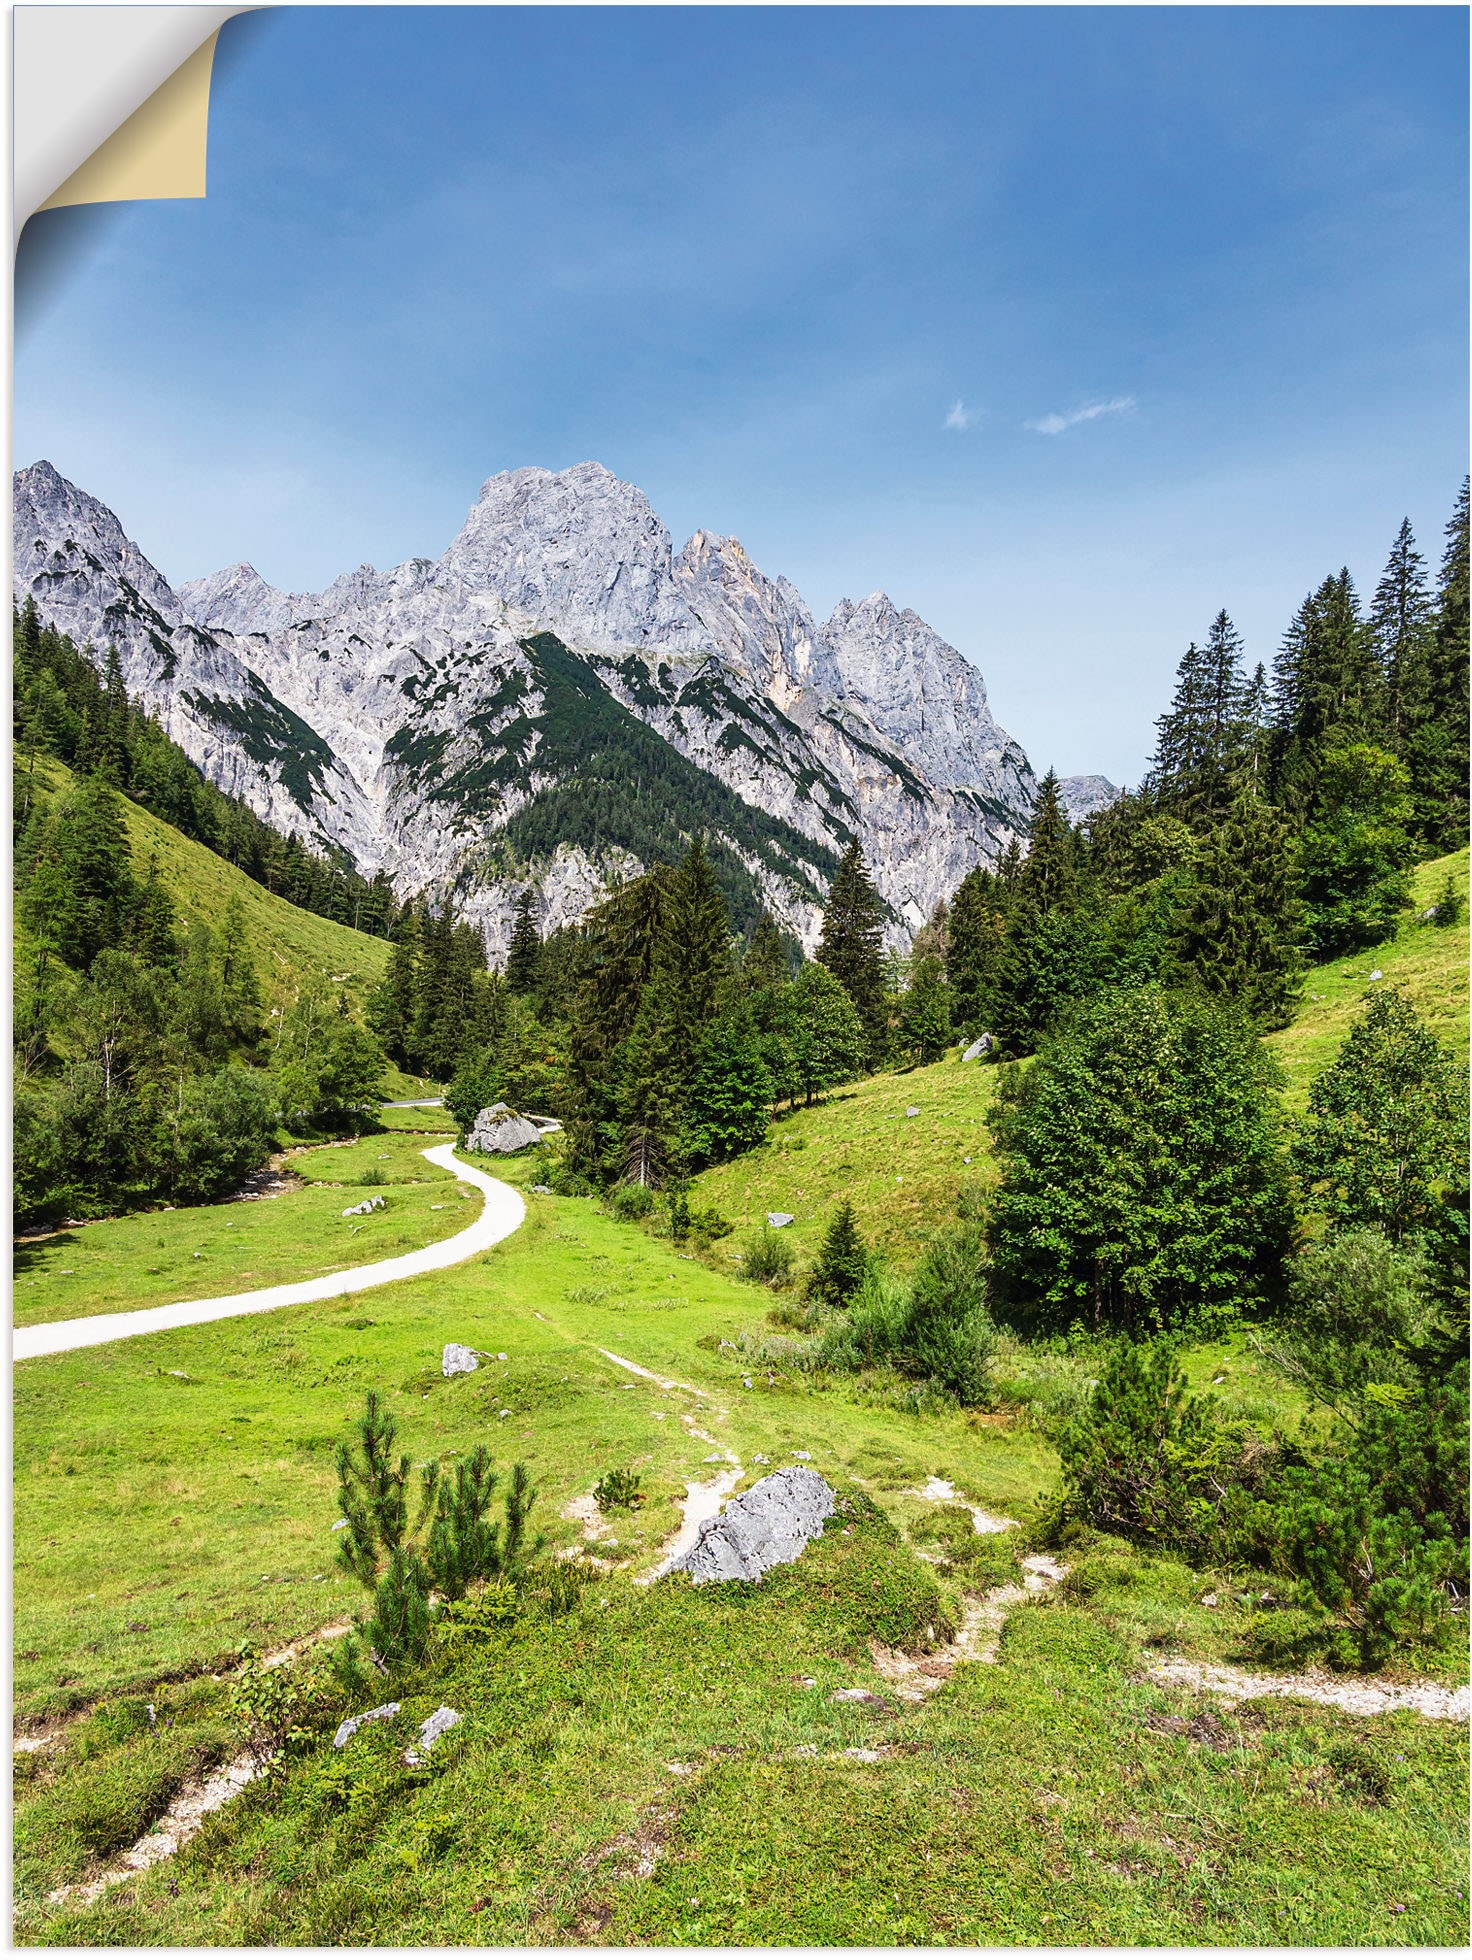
(64,707)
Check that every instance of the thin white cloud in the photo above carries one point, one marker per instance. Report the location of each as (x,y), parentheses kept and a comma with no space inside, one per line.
(960,416)
(1054,425)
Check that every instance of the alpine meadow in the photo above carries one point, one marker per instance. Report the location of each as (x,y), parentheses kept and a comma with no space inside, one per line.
(740,1170)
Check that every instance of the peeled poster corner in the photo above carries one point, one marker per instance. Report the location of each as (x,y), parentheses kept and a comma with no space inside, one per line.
(111,103)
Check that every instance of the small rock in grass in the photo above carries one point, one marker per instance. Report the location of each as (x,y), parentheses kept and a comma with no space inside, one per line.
(717,1458)
(912,1111)
(861,1698)
(779,1217)
(541,1190)
(351,1726)
(458,1360)
(1209,1599)
(341,1525)
(865,1755)
(805,1456)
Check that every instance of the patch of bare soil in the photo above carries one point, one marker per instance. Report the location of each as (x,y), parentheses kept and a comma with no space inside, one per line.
(979,1637)
(938,1491)
(179,1823)
(1365,1695)
(269,1183)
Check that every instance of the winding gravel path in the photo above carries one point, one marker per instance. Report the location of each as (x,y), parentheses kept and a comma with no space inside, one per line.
(502,1212)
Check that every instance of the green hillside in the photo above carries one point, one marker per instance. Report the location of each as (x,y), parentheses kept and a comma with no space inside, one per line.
(901,1172)
(290,945)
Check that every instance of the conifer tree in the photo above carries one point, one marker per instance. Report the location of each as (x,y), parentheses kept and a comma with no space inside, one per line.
(843,1260)
(650,1093)
(1401,627)
(393,1009)
(523,959)
(765,963)
(974,931)
(1327,692)
(850,947)
(1208,732)
(693,956)
(730,1089)
(1434,744)
(1239,934)
(925,1012)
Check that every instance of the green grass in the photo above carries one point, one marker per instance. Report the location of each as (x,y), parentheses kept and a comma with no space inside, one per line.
(1428,962)
(116,1265)
(901,1174)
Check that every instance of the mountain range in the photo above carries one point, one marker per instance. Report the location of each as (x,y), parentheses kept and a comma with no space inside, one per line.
(559,699)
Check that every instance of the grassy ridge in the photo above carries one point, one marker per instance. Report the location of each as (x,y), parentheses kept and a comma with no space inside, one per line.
(901,1173)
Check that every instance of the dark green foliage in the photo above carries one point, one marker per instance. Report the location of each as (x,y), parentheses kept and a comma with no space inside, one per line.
(619,786)
(1383,1141)
(925,1011)
(618,1490)
(524,956)
(766,1258)
(1434,715)
(851,951)
(327,1068)
(1402,628)
(1142,1180)
(730,1090)
(64,708)
(1378,1535)
(1238,936)
(765,961)
(1207,743)
(842,1262)
(1356,851)
(1327,693)
(1450,906)
(1144,1460)
(974,932)
(829,1044)
(1358,1313)
(451,1545)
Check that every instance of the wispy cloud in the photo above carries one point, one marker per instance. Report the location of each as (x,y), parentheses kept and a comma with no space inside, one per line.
(960,416)
(1054,425)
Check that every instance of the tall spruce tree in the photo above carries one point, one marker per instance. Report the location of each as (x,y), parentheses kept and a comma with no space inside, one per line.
(765,962)
(1207,733)
(843,1260)
(524,956)
(693,959)
(1401,626)
(851,947)
(1327,692)
(1050,954)
(1434,744)
(974,932)
(1238,937)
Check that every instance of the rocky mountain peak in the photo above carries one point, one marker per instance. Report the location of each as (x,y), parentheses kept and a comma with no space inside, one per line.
(237,600)
(578,550)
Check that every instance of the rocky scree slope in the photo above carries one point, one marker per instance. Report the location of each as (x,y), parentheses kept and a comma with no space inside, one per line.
(558,698)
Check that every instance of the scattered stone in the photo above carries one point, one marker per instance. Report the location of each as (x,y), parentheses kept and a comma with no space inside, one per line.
(430,1731)
(458,1360)
(375,1203)
(1209,1599)
(351,1726)
(499,1131)
(861,1697)
(865,1755)
(779,1217)
(341,1525)
(981,1046)
(1377,974)
(805,1456)
(541,1190)
(912,1111)
(717,1458)
(759,1458)
(178,1374)
(765,1526)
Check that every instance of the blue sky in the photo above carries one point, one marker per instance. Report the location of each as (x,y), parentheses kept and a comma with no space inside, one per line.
(1064,326)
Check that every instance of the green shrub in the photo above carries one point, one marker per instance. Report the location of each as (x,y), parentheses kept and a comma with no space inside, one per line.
(454,1544)
(1449,907)
(630,1202)
(766,1258)
(1357,1307)
(618,1490)
(372,1176)
(566,1182)
(1146,1462)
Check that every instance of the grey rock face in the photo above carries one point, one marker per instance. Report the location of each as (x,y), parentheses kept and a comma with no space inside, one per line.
(983,1045)
(1081,796)
(458,1360)
(767,1525)
(500,1131)
(402,715)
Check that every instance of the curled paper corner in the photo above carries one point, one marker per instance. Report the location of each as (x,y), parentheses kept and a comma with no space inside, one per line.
(112,103)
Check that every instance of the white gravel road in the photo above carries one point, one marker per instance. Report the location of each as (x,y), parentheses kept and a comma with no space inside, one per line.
(502,1212)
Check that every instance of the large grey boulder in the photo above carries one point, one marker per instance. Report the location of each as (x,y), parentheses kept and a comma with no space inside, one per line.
(765,1526)
(500,1131)
(458,1359)
(982,1045)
